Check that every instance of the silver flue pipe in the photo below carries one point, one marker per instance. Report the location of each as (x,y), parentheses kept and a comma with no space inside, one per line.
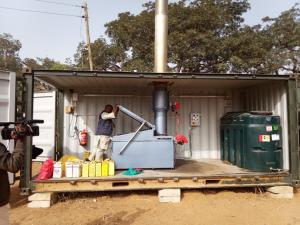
(160,92)
(160,108)
(161,36)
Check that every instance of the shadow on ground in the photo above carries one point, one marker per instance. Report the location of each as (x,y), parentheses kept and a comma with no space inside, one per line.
(119,218)
(16,199)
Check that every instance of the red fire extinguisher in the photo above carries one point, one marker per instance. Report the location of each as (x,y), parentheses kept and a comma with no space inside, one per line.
(83,137)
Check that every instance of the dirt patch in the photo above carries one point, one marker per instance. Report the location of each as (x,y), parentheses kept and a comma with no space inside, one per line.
(119,218)
(16,199)
(209,207)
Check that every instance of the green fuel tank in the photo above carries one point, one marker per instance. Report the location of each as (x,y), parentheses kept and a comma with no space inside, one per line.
(252,140)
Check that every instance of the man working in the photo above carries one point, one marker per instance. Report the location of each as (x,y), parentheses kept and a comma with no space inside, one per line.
(104,131)
(9,162)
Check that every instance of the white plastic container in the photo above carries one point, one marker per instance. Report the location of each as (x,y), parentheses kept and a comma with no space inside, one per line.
(76,169)
(57,170)
(69,169)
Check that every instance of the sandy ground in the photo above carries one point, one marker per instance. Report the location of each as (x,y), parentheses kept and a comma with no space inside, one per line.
(198,207)
(210,207)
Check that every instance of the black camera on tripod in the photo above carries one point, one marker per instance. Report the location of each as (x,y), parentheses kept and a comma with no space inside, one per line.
(28,128)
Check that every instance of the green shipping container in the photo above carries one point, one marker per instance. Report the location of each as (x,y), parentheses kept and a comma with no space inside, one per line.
(252,140)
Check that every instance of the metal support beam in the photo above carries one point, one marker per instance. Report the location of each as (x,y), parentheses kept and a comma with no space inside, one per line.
(293,130)
(133,136)
(26,177)
(59,125)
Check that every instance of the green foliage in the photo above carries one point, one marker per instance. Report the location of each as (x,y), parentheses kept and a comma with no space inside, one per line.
(204,36)
(105,56)
(10,60)
(246,50)
(45,64)
(9,53)
(197,30)
(210,36)
(284,32)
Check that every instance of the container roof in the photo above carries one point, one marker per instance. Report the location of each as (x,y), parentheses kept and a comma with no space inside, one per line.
(142,83)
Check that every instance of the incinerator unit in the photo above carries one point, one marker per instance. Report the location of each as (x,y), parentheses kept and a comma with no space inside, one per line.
(149,147)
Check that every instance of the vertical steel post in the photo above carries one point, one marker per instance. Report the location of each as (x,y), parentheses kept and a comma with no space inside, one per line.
(26,175)
(59,125)
(293,130)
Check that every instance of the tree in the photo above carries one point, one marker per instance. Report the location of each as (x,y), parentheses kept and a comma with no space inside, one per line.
(135,36)
(9,53)
(105,56)
(205,36)
(284,31)
(197,34)
(31,63)
(246,50)
(10,60)
(45,64)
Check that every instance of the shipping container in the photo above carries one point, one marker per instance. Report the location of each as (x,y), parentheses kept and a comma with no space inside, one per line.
(44,105)
(7,105)
(198,163)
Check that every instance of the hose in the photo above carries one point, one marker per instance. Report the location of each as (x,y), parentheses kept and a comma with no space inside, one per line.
(190,141)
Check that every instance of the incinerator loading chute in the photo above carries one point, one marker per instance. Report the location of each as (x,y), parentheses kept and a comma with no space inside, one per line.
(142,148)
(135,117)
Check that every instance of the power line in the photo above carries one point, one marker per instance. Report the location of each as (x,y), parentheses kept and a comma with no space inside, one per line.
(42,12)
(58,3)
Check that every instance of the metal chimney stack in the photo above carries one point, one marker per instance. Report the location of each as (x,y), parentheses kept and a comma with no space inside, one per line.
(160,93)
(161,36)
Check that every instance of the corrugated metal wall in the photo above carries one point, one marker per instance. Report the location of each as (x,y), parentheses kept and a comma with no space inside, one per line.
(211,105)
(271,97)
(88,109)
(204,139)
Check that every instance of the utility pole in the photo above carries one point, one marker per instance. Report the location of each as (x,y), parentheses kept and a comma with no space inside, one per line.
(87,30)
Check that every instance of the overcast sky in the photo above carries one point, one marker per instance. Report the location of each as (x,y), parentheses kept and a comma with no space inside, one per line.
(57,37)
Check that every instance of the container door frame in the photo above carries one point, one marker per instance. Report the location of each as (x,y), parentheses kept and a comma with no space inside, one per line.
(26,177)
(293,130)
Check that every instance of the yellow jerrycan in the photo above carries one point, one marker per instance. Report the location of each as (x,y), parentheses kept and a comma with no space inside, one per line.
(85,169)
(111,168)
(92,169)
(105,168)
(98,169)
